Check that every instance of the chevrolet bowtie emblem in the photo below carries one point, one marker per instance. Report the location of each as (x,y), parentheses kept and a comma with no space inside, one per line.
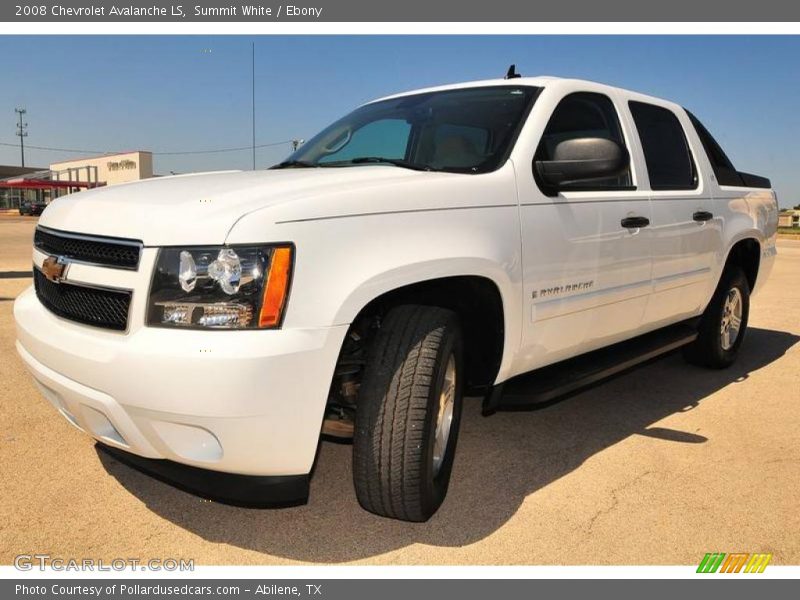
(54,268)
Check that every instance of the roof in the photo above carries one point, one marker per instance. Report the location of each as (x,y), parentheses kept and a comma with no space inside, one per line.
(38,183)
(12,171)
(44,179)
(529,81)
(538,81)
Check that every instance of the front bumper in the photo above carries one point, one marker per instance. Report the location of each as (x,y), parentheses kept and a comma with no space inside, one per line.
(241,402)
(250,491)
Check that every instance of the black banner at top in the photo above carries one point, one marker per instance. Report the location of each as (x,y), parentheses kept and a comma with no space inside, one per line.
(404,11)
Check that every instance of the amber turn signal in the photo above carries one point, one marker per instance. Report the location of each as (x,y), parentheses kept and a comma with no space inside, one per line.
(277,287)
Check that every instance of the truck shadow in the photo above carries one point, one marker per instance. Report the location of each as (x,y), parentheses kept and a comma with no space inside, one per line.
(501,460)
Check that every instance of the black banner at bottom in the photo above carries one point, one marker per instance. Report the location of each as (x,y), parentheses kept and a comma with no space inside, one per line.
(389,589)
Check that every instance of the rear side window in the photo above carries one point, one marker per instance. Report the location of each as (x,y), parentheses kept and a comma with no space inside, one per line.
(584,115)
(666,151)
(723,168)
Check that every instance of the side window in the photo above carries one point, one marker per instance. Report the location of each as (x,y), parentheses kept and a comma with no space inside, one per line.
(723,168)
(387,138)
(666,151)
(581,115)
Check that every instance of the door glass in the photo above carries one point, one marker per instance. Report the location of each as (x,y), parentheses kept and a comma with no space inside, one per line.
(666,151)
(584,115)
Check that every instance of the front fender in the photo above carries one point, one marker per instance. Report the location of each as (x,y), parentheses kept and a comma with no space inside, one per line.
(355,245)
(405,275)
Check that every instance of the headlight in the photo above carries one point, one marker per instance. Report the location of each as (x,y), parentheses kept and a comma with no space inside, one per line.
(220,287)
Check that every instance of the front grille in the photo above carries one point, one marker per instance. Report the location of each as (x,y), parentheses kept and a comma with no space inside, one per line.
(109,252)
(87,305)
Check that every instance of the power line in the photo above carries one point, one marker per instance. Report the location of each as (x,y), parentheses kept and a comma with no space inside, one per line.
(271,144)
(170,153)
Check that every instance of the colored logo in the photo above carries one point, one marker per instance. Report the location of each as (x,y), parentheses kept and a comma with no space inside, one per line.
(54,268)
(742,562)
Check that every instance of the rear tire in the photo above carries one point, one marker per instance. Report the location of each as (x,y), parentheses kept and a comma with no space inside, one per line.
(409,410)
(723,325)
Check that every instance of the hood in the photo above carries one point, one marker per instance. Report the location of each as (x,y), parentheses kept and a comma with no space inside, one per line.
(202,208)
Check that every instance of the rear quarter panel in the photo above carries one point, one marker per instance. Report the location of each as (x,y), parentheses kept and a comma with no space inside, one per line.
(748,213)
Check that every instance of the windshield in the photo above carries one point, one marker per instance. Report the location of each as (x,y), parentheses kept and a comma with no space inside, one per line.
(464,130)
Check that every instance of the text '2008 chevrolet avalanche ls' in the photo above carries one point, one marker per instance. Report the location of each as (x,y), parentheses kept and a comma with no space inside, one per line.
(513,239)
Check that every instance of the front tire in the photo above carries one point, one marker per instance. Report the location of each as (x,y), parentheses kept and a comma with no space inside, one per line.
(723,324)
(408,414)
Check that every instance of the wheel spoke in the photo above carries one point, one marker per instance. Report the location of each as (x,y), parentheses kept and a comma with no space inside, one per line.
(731,322)
(444,414)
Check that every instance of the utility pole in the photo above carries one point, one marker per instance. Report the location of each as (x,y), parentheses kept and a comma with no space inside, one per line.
(253,62)
(296,144)
(21,132)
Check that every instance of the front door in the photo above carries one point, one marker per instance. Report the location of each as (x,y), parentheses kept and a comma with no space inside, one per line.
(586,264)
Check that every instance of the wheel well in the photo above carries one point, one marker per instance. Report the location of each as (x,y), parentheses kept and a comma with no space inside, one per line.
(477,302)
(746,254)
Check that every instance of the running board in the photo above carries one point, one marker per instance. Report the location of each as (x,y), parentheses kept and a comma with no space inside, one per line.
(545,386)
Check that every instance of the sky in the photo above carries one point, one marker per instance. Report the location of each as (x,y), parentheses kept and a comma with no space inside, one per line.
(192,93)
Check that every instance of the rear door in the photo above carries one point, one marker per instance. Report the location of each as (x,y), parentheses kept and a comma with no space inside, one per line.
(684,231)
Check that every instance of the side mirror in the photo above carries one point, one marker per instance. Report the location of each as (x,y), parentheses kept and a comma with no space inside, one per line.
(580,160)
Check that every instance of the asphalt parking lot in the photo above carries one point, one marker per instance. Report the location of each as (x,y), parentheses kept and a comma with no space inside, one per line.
(658,466)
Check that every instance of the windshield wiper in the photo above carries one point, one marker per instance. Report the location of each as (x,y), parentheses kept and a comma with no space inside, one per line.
(295,164)
(304,164)
(398,162)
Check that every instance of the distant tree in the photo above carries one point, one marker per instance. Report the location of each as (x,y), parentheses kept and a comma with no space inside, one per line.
(797,206)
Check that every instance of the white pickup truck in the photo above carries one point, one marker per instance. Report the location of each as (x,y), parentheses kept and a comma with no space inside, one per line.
(513,239)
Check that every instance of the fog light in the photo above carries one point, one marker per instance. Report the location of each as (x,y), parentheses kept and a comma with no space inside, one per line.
(226,315)
(177,314)
(217,314)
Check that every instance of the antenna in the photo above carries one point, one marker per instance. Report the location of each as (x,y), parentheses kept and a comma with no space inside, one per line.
(253,72)
(512,72)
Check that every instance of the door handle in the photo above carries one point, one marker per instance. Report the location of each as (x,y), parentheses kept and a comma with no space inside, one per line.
(702,215)
(634,222)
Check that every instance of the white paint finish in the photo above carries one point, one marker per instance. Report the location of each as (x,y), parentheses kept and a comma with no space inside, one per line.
(201,208)
(360,232)
(242,386)
(682,248)
(573,239)
(72,396)
(749,214)
(682,251)
(189,442)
